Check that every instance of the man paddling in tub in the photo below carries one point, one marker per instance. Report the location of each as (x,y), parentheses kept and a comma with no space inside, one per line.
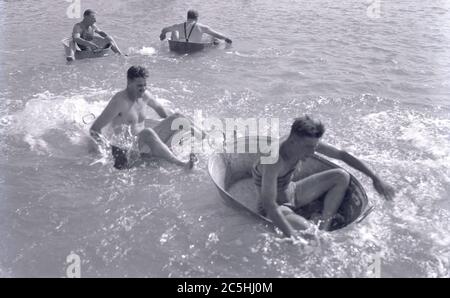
(280,196)
(125,114)
(84,38)
(191,30)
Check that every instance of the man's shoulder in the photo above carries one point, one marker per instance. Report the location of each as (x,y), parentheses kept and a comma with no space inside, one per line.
(77,26)
(202,26)
(177,25)
(147,95)
(148,98)
(120,95)
(119,98)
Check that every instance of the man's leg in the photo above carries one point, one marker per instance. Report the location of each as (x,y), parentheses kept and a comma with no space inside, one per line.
(334,182)
(295,220)
(159,149)
(70,51)
(165,131)
(114,46)
(106,42)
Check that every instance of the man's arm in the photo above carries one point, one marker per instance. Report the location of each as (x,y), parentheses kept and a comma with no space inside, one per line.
(165,30)
(106,117)
(154,104)
(268,199)
(100,32)
(103,34)
(216,34)
(382,188)
(76,35)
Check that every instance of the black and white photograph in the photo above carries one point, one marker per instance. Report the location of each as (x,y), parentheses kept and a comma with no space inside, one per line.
(224,140)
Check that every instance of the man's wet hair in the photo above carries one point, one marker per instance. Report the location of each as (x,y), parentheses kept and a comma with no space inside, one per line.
(88,12)
(137,71)
(192,14)
(305,126)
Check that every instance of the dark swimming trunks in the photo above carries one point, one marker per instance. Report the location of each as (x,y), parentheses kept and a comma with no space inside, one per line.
(284,184)
(83,48)
(120,157)
(282,181)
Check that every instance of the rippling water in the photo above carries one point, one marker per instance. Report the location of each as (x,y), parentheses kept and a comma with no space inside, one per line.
(381,85)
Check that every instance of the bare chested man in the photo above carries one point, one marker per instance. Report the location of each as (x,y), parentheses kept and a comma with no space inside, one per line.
(280,195)
(191,30)
(126,109)
(84,38)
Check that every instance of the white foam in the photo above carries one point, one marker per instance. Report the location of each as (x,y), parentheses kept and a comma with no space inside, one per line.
(46,112)
(144,51)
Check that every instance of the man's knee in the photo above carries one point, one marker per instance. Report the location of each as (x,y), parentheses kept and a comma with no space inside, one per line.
(148,135)
(341,177)
(181,121)
(285,210)
(176,115)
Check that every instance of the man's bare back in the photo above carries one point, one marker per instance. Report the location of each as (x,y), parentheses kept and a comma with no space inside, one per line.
(194,31)
(191,30)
